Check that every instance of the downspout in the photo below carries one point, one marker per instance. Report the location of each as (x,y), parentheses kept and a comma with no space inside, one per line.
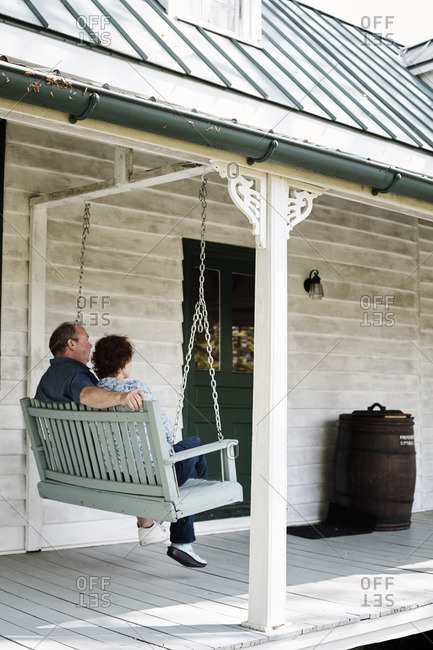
(74,98)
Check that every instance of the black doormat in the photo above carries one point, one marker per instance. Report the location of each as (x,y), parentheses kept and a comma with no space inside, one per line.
(340,521)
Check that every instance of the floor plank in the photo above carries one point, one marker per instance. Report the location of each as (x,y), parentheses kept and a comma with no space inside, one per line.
(56,598)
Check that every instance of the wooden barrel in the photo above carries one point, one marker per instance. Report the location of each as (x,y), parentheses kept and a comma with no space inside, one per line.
(375,465)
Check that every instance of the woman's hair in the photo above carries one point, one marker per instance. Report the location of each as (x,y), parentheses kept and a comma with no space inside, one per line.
(111,354)
(60,337)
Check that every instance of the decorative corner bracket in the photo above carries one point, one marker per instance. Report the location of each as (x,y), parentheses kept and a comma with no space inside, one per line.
(299,207)
(248,194)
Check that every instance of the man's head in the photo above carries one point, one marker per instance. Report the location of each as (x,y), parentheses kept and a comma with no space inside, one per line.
(71,340)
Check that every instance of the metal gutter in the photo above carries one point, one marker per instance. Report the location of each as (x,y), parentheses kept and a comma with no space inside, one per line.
(21,84)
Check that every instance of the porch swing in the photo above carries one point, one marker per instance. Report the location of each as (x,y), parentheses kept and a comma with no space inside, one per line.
(92,458)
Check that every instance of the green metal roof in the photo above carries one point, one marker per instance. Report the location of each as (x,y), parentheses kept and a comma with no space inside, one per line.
(309,62)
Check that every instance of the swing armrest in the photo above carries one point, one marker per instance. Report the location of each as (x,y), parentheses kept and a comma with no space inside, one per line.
(199,451)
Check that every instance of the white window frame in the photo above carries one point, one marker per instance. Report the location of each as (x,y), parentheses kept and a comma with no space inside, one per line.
(250,24)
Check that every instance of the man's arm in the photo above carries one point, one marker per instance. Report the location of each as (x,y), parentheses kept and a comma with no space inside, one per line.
(99,398)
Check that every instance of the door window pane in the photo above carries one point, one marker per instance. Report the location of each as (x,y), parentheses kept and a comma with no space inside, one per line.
(212,298)
(243,323)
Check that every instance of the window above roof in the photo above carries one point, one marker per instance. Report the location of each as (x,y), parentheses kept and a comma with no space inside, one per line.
(240,19)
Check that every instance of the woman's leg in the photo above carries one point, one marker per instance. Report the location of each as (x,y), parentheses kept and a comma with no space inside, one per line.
(191,467)
(182,531)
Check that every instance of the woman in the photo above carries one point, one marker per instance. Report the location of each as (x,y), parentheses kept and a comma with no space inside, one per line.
(112,359)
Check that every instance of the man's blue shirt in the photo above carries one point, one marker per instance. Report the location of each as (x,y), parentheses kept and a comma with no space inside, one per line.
(64,380)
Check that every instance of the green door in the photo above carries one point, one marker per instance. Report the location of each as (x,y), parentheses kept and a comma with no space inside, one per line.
(229,294)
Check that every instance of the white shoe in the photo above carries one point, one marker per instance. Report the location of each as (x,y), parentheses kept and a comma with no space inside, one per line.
(155,534)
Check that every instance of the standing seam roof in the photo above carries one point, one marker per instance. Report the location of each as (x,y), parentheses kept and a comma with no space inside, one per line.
(309,61)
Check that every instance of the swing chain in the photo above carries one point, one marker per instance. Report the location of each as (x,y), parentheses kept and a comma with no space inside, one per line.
(86,230)
(200,324)
(203,322)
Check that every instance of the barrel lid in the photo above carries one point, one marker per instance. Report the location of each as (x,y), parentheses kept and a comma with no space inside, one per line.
(381,413)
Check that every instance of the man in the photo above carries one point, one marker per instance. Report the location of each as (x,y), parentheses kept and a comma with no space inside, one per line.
(68,379)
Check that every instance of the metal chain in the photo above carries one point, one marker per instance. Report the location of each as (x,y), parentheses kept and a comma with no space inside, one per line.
(86,230)
(200,323)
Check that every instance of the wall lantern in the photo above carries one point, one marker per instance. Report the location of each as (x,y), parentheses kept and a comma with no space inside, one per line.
(313,285)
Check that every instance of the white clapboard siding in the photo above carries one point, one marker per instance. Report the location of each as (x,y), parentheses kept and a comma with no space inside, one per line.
(342,356)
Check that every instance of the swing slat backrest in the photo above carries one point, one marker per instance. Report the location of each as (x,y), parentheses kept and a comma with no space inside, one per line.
(118,460)
(98,444)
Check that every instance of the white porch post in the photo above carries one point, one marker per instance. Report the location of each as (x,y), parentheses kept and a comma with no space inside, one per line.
(269,447)
(274,209)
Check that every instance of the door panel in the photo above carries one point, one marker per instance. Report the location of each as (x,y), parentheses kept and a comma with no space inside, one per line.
(229,294)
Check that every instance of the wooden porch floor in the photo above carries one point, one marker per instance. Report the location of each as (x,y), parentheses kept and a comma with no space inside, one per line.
(341,593)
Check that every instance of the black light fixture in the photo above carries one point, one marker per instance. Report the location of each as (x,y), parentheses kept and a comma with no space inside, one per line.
(313,285)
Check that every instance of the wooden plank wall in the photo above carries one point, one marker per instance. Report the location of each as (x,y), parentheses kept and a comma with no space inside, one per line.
(348,350)
(134,276)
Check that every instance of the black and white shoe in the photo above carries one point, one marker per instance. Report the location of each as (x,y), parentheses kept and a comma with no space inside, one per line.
(187,558)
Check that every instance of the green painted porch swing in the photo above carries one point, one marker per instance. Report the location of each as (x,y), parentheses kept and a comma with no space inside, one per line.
(90,457)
